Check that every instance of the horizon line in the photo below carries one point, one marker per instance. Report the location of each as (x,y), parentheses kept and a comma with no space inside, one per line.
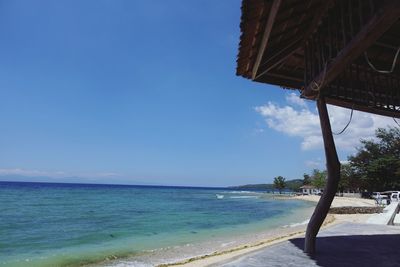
(116,184)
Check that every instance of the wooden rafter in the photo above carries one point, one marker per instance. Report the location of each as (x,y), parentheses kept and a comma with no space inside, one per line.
(379,23)
(296,45)
(289,29)
(268,28)
(279,57)
(297,14)
(352,105)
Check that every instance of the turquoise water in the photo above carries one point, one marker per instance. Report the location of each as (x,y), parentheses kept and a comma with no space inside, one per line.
(75,224)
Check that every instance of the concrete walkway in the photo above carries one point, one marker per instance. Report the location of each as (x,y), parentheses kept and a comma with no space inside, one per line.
(386,217)
(346,244)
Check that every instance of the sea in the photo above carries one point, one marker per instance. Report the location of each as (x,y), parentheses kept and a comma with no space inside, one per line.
(54,224)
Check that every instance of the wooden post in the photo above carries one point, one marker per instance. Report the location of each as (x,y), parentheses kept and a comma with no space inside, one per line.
(333,169)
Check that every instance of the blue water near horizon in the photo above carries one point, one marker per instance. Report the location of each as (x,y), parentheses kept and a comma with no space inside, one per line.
(48,224)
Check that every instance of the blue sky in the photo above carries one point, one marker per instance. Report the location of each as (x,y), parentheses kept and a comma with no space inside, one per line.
(145,92)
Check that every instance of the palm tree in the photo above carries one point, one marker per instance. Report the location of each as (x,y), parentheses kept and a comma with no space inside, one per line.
(279,183)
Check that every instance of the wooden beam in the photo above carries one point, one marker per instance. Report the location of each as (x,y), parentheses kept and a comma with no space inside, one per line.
(297,45)
(287,14)
(369,33)
(320,12)
(279,56)
(279,82)
(284,76)
(364,108)
(299,13)
(386,45)
(268,28)
(290,29)
(333,170)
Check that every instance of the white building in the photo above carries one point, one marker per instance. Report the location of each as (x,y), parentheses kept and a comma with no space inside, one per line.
(310,190)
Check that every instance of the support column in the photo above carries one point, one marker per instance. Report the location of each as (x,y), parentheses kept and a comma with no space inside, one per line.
(333,170)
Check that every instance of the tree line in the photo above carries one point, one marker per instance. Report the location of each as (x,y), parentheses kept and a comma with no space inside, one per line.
(374,167)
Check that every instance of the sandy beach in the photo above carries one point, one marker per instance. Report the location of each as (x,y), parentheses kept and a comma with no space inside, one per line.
(274,237)
(341,201)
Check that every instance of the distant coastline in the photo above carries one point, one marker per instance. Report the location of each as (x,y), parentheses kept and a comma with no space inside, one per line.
(291,185)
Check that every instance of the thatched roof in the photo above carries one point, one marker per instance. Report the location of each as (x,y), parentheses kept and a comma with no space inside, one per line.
(300,44)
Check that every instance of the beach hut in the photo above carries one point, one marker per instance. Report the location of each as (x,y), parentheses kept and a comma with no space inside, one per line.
(310,190)
(339,52)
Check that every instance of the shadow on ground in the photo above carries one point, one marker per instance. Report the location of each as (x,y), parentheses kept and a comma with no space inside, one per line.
(356,250)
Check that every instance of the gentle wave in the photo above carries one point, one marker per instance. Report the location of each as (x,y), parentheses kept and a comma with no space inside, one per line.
(130,264)
(240,192)
(296,224)
(244,197)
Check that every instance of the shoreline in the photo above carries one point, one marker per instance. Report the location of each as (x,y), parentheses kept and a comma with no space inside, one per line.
(337,201)
(219,249)
(218,256)
(331,220)
(244,237)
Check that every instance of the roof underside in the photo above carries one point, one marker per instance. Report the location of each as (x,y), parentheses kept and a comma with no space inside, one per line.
(277,33)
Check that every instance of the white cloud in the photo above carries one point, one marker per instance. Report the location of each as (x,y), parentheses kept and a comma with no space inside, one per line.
(314,164)
(298,120)
(294,99)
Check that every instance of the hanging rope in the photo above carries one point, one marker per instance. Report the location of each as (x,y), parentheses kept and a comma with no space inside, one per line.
(317,87)
(347,125)
(383,71)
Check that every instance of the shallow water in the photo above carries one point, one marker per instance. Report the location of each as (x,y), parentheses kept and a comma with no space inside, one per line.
(75,224)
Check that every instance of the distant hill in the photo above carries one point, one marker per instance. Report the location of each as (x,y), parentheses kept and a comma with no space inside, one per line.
(293,185)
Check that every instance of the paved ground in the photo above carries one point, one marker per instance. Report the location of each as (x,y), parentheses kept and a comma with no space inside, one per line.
(346,244)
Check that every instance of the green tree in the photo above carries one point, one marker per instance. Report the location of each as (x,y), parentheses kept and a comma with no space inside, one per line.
(377,161)
(306,179)
(279,183)
(318,178)
(349,180)
(294,185)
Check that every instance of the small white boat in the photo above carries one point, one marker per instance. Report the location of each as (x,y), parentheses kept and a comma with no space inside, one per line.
(219,196)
